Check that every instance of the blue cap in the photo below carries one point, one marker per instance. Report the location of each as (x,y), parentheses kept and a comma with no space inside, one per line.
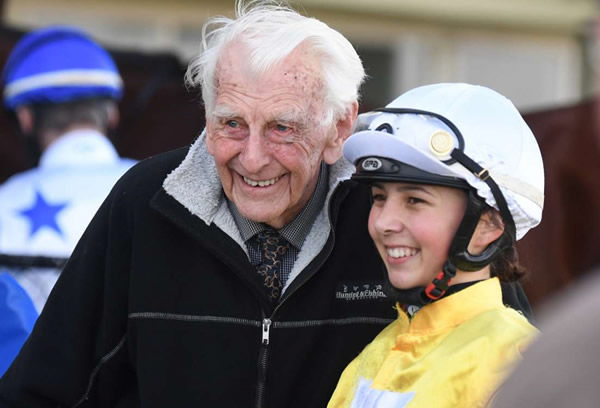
(58,64)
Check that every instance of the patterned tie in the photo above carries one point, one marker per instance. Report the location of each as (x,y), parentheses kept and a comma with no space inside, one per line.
(273,247)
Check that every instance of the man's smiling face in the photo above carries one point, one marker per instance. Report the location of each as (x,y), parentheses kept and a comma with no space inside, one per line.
(266,136)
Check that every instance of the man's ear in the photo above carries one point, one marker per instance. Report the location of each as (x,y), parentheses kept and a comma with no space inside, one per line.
(342,130)
(489,228)
(25,118)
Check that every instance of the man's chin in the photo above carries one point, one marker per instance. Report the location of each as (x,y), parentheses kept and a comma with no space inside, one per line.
(261,212)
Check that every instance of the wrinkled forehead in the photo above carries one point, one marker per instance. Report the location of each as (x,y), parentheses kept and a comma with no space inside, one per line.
(300,69)
(294,82)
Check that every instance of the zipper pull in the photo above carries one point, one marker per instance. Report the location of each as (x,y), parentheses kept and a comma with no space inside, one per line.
(265,331)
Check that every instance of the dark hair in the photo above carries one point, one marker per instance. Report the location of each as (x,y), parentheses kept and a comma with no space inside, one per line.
(59,116)
(506,265)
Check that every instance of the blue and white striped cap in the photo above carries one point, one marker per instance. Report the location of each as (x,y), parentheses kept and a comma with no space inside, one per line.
(58,64)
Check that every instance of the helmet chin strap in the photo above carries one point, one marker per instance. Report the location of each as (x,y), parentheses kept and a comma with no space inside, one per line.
(459,256)
(421,295)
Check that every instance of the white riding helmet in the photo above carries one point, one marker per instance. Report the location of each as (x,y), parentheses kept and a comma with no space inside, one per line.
(488,129)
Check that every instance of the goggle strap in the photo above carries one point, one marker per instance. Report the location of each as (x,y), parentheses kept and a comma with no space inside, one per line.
(484,176)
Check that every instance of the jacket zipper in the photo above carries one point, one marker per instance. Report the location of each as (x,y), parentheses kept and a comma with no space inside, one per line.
(266,326)
(266,323)
(262,362)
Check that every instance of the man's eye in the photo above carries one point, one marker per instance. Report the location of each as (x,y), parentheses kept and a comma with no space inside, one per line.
(282,128)
(232,123)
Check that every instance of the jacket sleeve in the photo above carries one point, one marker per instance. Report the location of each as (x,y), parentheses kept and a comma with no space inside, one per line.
(17,316)
(76,354)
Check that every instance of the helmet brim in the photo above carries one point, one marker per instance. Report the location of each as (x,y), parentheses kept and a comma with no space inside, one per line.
(368,143)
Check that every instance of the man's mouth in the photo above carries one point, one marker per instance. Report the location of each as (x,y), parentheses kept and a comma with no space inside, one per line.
(260,183)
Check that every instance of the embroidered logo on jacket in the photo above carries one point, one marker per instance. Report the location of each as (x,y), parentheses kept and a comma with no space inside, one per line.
(367,397)
(360,291)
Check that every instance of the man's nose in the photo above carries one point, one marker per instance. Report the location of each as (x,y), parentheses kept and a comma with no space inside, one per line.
(255,154)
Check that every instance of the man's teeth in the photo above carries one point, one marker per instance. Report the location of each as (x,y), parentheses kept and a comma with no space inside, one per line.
(260,183)
(401,252)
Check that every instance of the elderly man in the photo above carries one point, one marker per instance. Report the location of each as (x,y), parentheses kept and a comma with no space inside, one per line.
(234,273)
(231,273)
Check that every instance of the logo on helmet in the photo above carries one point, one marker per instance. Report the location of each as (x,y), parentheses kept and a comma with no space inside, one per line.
(371,164)
(441,143)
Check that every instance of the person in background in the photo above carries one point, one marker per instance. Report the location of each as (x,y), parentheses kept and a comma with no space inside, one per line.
(456,176)
(233,272)
(63,89)
(17,316)
(561,368)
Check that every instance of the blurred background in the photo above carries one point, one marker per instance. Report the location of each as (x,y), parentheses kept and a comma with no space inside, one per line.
(542,54)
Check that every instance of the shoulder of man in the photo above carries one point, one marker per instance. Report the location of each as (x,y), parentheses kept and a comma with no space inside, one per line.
(154,169)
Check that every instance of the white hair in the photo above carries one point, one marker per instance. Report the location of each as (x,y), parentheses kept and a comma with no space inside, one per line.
(271,30)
